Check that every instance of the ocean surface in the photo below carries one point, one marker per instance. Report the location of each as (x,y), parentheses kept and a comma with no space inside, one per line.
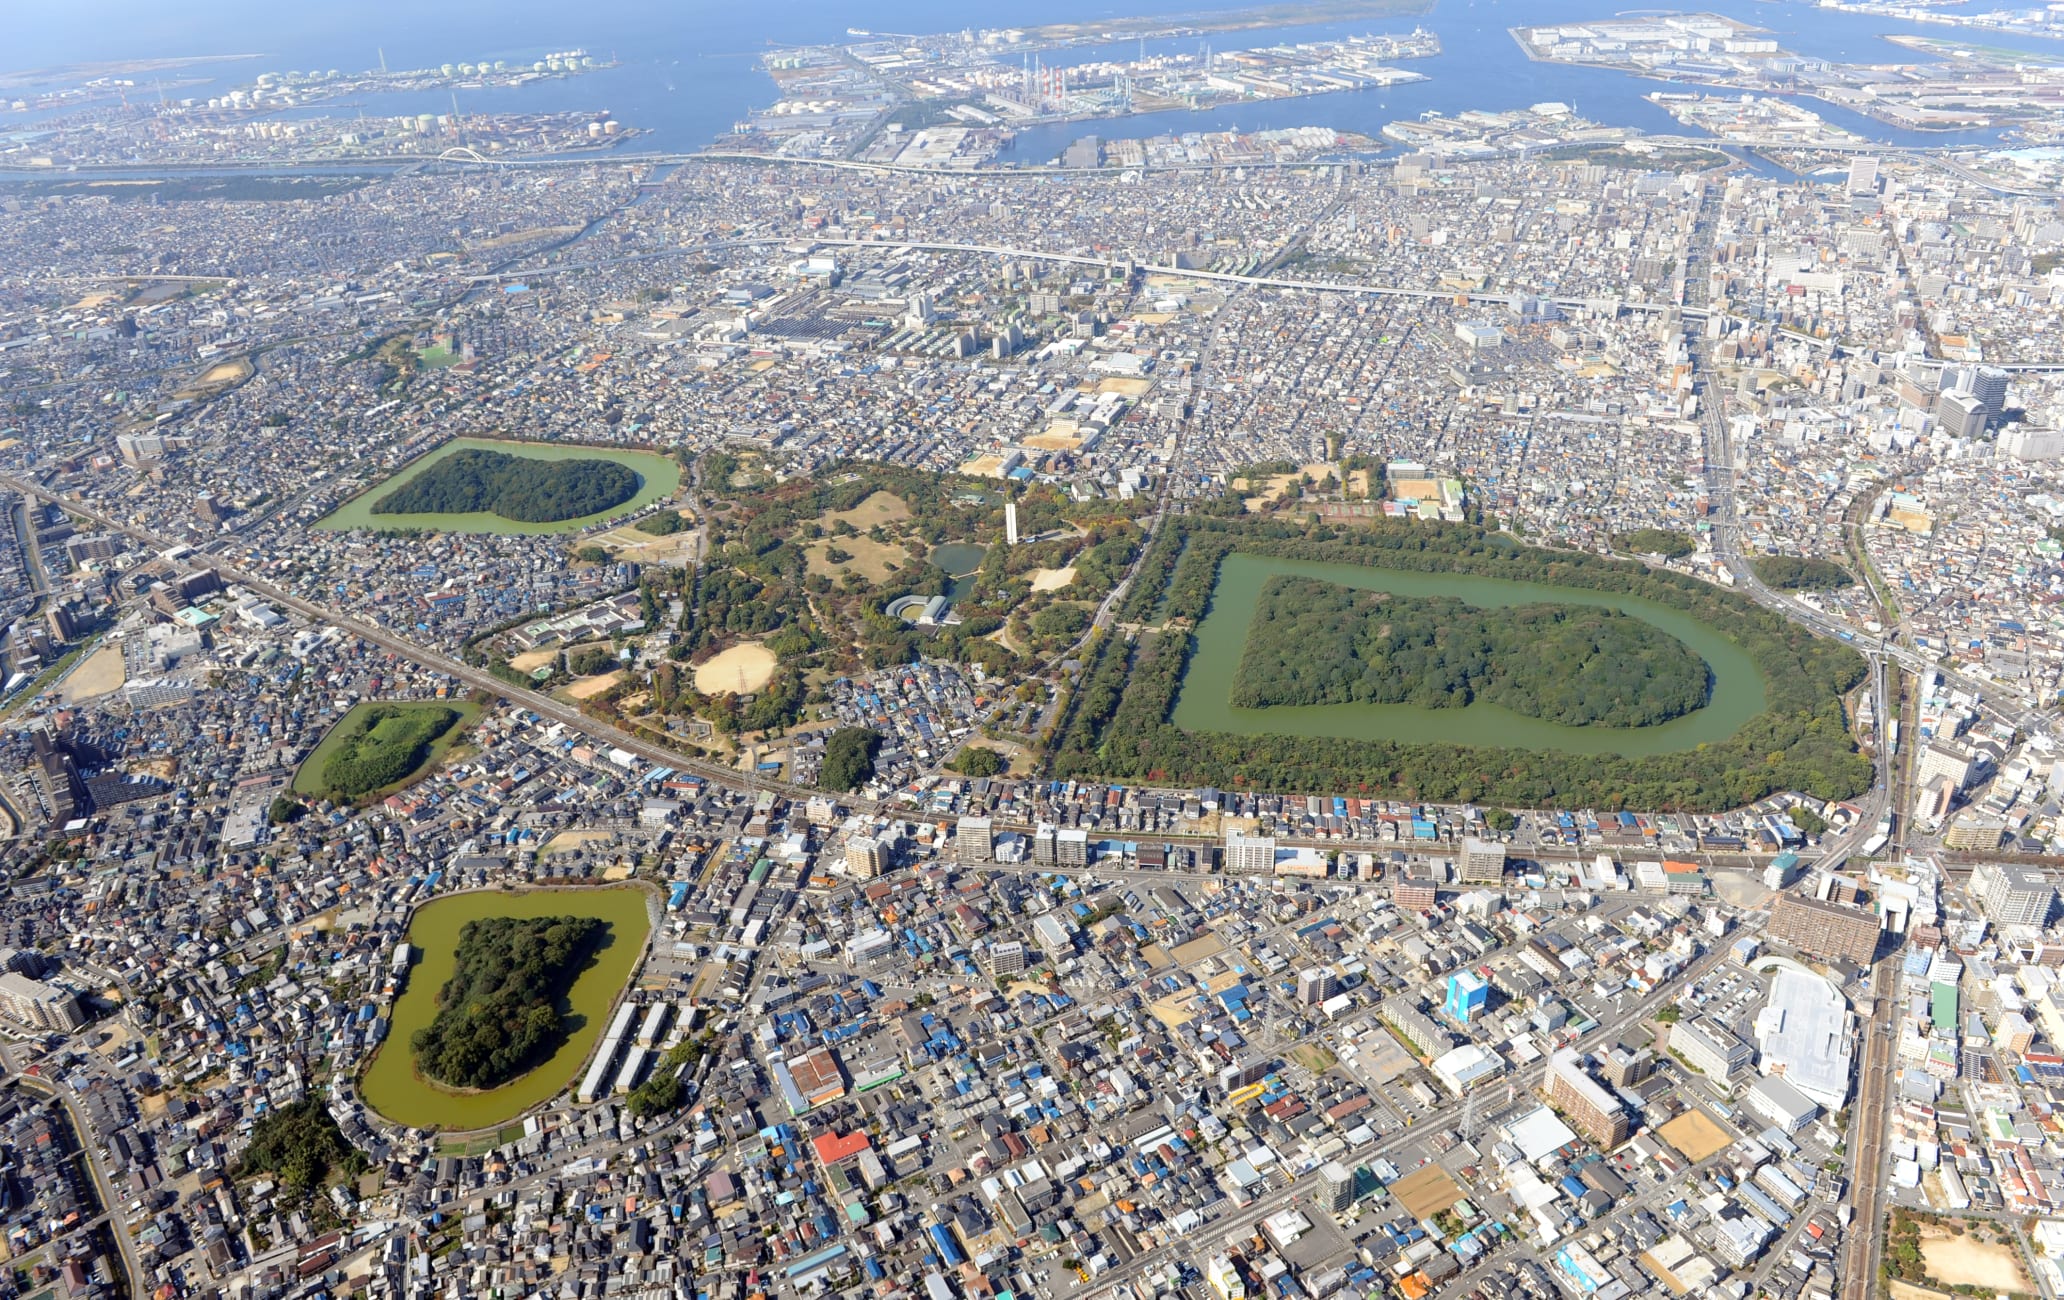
(690,70)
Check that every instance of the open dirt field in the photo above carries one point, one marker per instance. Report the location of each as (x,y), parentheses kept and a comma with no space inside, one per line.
(1313,1057)
(1426,1191)
(878,508)
(227,372)
(1695,1135)
(1052,579)
(740,670)
(101,674)
(532,660)
(872,560)
(1965,1261)
(1740,889)
(589,687)
(628,543)
(1128,387)
(1271,489)
(1061,435)
(566,841)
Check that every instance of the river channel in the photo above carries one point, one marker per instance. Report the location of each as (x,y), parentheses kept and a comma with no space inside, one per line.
(391,1085)
(1204,702)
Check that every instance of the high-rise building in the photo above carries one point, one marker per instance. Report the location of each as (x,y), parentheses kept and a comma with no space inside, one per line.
(1416,886)
(1623,1068)
(2012,894)
(1933,799)
(1007,958)
(1481,862)
(58,776)
(46,1006)
(1250,854)
(866,857)
(1071,847)
(1960,763)
(1830,931)
(1468,994)
(1315,986)
(1863,174)
(1043,850)
(1988,384)
(1336,1186)
(974,841)
(1711,1048)
(1590,1106)
(1961,415)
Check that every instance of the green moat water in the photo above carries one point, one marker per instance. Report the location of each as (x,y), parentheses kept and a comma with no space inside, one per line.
(393,1087)
(1204,702)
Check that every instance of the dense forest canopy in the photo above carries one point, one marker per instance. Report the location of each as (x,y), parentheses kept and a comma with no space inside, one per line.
(300,1145)
(1798,573)
(522,488)
(1315,642)
(498,1015)
(1656,541)
(848,758)
(384,745)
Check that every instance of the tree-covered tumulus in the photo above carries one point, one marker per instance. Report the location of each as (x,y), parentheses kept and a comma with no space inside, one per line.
(498,1015)
(1314,642)
(521,488)
(848,758)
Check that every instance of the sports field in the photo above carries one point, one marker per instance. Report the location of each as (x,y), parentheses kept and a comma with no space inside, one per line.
(658,477)
(1696,1135)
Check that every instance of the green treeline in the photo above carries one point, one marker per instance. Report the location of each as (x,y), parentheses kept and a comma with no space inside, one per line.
(300,1145)
(385,744)
(1143,598)
(1314,642)
(515,487)
(1798,573)
(498,1014)
(1118,725)
(664,524)
(1656,541)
